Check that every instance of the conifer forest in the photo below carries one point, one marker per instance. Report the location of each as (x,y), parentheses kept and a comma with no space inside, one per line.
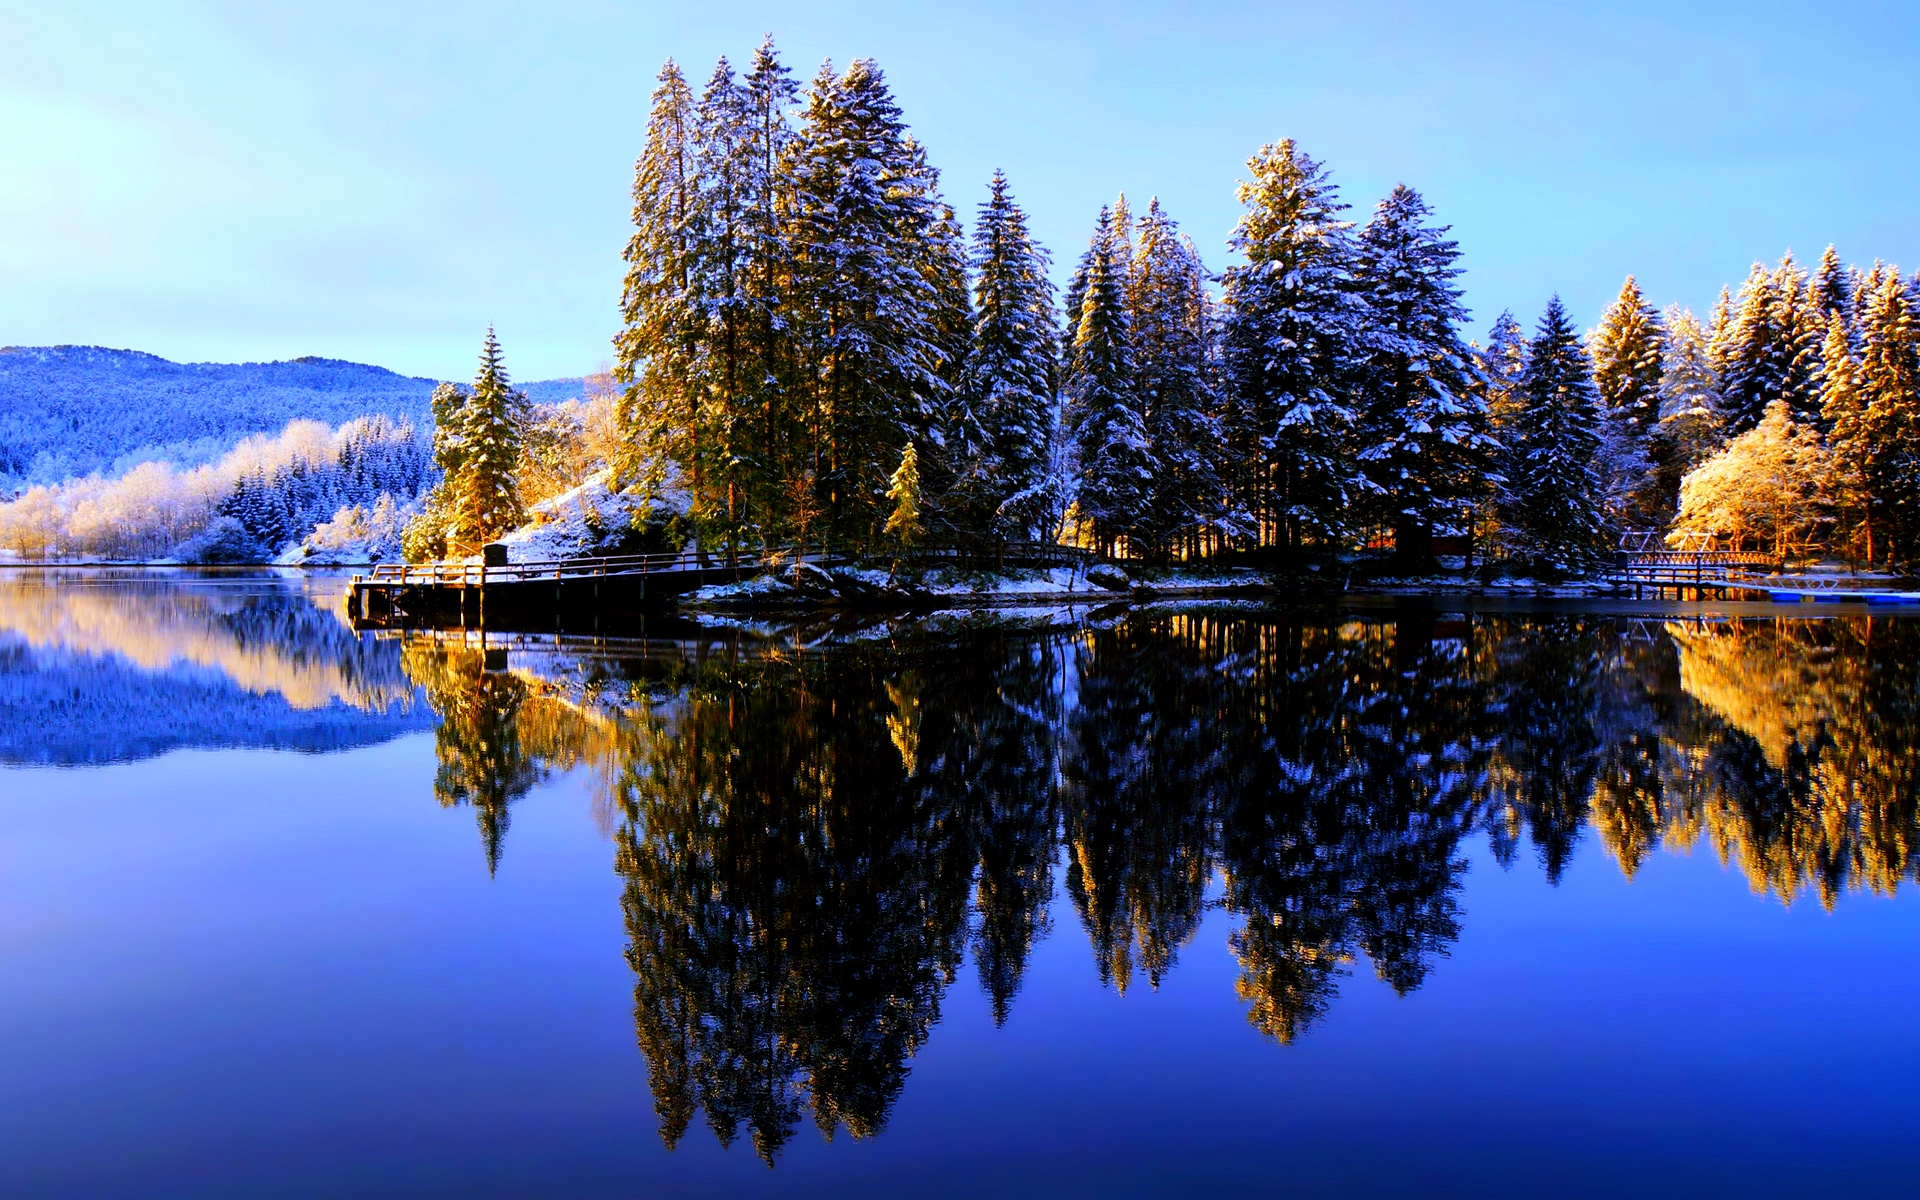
(803,309)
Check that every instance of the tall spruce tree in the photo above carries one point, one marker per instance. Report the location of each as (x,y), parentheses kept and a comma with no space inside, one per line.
(1886,442)
(1773,347)
(1111,468)
(1501,363)
(1626,350)
(1426,448)
(1000,431)
(866,233)
(486,496)
(1691,427)
(1556,438)
(1830,287)
(659,413)
(1292,320)
(1843,409)
(1173,383)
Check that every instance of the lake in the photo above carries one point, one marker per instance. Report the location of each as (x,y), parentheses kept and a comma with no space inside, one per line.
(1394,897)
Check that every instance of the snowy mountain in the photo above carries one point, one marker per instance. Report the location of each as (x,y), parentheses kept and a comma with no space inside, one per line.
(73,410)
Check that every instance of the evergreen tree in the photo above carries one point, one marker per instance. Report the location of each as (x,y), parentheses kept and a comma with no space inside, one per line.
(1426,447)
(1556,438)
(727,386)
(904,490)
(1886,443)
(1169,316)
(1772,351)
(1501,364)
(1843,408)
(1691,427)
(999,434)
(866,253)
(659,413)
(1830,288)
(1292,318)
(1112,470)
(486,500)
(1626,351)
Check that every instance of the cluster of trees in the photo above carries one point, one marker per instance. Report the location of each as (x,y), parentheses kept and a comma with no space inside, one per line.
(812,848)
(261,496)
(802,315)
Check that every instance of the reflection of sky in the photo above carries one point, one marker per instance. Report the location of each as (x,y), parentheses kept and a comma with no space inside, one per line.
(244,973)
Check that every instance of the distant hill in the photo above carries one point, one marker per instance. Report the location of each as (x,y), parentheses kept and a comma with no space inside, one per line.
(72,410)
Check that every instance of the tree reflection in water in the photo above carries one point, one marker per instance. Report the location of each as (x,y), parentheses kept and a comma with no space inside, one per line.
(812,841)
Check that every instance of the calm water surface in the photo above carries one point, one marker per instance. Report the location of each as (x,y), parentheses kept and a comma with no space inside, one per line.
(1335,901)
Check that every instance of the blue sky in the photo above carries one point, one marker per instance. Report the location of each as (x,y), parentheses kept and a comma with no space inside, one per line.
(377,181)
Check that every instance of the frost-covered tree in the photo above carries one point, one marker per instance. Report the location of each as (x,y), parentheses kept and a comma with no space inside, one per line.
(1764,490)
(1170,318)
(485,495)
(869,253)
(1556,523)
(659,413)
(1292,322)
(1112,469)
(1884,440)
(1830,288)
(1627,348)
(1772,348)
(1691,427)
(1843,408)
(1425,445)
(999,434)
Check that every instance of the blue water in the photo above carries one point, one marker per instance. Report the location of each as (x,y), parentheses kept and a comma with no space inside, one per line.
(242,971)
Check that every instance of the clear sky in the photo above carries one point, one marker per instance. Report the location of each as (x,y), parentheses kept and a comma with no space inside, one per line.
(377,181)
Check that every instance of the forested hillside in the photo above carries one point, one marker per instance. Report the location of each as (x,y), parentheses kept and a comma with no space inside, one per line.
(67,411)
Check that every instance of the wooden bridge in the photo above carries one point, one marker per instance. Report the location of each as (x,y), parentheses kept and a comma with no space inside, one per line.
(530,596)
(1646,560)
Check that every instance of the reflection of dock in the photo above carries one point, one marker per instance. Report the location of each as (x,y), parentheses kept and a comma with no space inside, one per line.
(494,591)
(1834,593)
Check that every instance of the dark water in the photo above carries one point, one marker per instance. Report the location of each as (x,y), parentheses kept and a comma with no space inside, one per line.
(1338,901)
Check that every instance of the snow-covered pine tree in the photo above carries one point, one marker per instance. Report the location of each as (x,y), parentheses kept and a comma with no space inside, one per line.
(999,433)
(1557,516)
(486,502)
(1843,410)
(658,413)
(1112,471)
(767,352)
(1425,441)
(1830,287)
(1772,349)
(1691,427)
(864,232)
(726,388)
(1501,363)
(1174,387)
(1888,444)
(1627,348)
(1292,319)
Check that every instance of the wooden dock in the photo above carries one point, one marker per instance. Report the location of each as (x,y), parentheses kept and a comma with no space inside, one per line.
(532,595)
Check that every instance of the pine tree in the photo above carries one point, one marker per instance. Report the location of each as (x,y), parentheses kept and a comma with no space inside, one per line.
(1830,288)
(1887,443)
(1000,431)
(486,500)
(1843,408)
(1626,351)
(1772,351)
(1691,427)
(1556,438)
(1109,436)
(904,490)
(866,245)
(1292,318)
(727,386)
(1424,426)
(1501,364)
(659,413)
(1169,316)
